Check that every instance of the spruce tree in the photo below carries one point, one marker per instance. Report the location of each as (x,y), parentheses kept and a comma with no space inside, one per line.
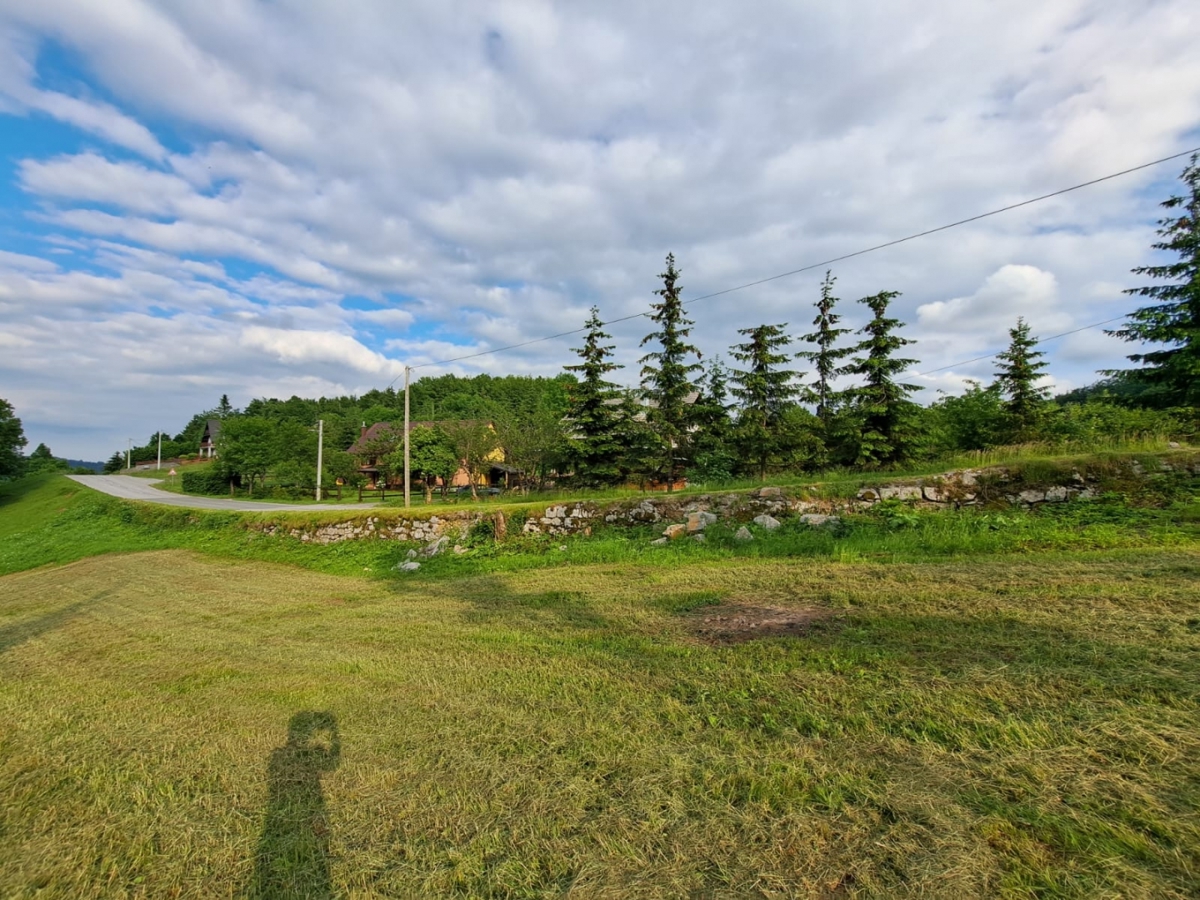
(594,410)
(1173,373)
(667,374)
(1020,368)
(825,358)
(885,413)
(713,455)
(765,390)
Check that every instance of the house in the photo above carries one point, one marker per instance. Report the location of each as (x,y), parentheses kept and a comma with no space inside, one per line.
(383,438)
(208,440)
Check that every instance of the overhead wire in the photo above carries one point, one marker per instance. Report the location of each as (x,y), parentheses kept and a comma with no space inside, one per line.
(828,262)
(1035,343)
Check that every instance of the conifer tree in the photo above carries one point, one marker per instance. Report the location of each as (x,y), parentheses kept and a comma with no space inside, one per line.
(666,372)
(885,413)
(595,410)
(1020,367)
(827,355)
(711,444)
(765,390)
(1173,373)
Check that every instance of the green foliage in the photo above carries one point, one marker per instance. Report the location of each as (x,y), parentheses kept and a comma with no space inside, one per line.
(595,411)
(1173,321)
(1087,424)
(827,356)
(12,439)
(211,480)
(43,460)
(249,445)
(766,390)
(973,420)
(667,374)
(882,429)
(1020,369)
(431,456)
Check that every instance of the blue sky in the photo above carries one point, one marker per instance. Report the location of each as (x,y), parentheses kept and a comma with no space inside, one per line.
(300,198)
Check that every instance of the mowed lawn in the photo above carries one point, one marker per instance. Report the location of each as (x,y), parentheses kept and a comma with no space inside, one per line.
(176,725)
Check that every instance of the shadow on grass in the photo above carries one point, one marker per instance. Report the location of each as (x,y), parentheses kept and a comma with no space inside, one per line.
(14,635)
(293,850)
(493,602)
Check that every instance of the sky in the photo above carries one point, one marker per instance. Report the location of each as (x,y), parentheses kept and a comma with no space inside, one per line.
(270,198)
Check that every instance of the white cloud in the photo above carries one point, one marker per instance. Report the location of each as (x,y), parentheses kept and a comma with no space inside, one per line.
(503,168)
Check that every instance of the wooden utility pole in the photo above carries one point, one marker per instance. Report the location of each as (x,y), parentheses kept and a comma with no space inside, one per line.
(407,468)
(320,452)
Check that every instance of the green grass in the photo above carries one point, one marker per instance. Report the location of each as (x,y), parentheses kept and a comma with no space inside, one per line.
(1004,704)
(1004,727)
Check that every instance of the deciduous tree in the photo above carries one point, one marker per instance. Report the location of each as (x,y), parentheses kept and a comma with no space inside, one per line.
(12,440)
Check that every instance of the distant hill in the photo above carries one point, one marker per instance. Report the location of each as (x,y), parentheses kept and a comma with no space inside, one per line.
(85,464)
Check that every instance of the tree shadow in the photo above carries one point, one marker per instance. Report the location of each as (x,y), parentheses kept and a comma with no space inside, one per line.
(293,849)
(492,601)
(14,635)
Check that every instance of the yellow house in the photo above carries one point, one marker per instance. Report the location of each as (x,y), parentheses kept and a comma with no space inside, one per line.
(383,438)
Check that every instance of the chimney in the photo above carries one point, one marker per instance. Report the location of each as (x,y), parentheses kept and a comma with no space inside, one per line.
(363,433)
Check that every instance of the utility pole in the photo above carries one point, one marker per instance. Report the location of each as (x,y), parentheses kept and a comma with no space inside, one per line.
(407,467)
(129,455)
(320,451)
(159,466)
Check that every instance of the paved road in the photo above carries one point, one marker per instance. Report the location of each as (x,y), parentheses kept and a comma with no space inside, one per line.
(129,488)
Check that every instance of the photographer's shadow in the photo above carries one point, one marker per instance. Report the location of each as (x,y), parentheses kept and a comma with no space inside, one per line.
(293,851)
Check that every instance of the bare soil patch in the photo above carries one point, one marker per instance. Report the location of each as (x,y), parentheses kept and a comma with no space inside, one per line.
(733,623)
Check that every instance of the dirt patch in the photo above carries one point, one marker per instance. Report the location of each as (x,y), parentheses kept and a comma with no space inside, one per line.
(733,623)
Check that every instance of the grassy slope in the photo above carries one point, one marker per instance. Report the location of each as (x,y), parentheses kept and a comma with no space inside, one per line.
(979,723)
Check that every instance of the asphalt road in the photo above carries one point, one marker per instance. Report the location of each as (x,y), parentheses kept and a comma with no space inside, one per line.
(142,489)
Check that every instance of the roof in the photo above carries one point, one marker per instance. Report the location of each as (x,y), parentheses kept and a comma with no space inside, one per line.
(211,429)
(378,431)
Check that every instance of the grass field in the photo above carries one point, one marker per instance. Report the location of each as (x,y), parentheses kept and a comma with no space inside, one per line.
(975,707)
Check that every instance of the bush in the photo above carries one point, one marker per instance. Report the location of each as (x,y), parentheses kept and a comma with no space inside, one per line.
(207,481)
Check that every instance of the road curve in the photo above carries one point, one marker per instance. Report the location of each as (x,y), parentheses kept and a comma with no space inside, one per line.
(143,490)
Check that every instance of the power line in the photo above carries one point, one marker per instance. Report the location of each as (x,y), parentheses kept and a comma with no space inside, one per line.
(1035,343)
(829,262)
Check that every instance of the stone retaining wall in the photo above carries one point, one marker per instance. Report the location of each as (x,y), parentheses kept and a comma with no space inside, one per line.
(951,490)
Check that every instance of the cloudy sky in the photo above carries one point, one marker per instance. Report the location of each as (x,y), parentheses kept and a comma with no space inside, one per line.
(277,198)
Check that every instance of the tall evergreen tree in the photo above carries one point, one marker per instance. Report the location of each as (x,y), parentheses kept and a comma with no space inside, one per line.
(1020,367)
(595,410)
(884,411)
(667,374)
(712,450)
(826,357)
(225,408)
(765,390)
(1174,319)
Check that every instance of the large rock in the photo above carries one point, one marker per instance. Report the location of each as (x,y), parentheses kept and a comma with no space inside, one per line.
(816,520)
(658,542)
(770,523)
(675,531)
(769,492)
(698,521)
(409,566)
(743,534)
(433,548)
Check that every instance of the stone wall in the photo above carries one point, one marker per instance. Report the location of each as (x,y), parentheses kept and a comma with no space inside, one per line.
(950,490)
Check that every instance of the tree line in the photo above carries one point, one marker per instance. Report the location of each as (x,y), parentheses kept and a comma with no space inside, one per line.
(750,417)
